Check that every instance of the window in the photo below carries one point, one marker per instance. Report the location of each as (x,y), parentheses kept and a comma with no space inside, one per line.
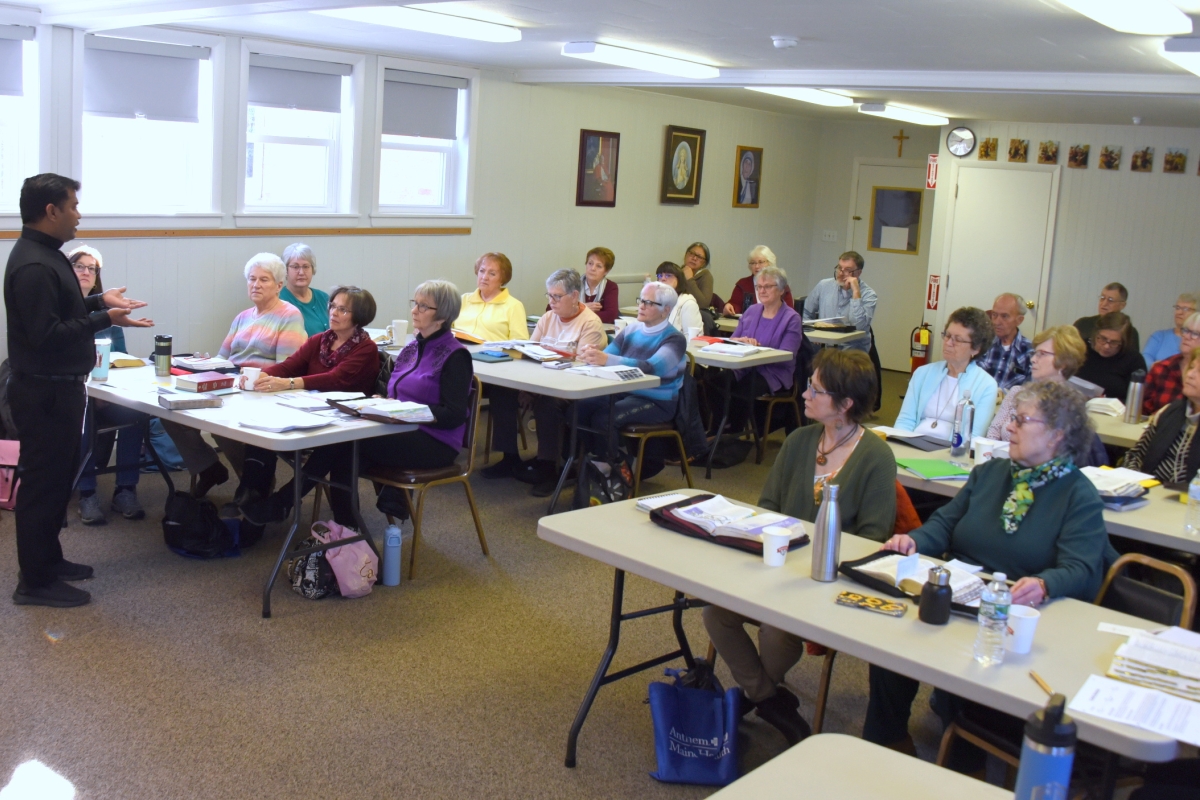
(298,115)
(147,127)
(19,111)
(421,147)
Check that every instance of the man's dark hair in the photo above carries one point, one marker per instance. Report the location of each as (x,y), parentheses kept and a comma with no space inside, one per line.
(1119,289)
(851,255)
(43,190)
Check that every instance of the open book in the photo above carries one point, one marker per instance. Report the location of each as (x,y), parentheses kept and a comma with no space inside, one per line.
(734,350)
(909,573)
(720,517)
(385,409)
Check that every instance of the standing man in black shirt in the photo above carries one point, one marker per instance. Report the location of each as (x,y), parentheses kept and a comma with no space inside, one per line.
(51,349)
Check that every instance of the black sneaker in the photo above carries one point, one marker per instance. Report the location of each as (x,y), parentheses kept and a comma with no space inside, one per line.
(67,571)
(210,477)
(56,595)
(392,503)
(777,711)
(504,468)
(264,511)
(535,471)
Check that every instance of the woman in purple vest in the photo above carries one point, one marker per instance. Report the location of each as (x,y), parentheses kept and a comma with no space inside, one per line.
(433,369)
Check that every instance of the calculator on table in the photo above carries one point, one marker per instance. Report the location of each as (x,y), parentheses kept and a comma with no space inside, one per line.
(618,373)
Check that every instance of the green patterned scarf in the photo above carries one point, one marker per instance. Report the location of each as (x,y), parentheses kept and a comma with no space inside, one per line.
(1025,480)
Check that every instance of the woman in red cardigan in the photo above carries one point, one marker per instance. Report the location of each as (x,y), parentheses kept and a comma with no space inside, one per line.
(341,359)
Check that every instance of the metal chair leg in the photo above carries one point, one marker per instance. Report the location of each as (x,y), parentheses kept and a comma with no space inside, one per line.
(416,518)
(637,474)
(683,460)
(475,516)
(823,691)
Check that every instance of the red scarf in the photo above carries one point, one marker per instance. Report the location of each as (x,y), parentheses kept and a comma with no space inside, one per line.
(329,356)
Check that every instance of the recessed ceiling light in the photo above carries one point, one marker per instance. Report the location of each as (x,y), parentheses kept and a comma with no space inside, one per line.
(637,59)
(1148,17)
(805,95)
(1184,51)
(784,42)
(412,19)
(903,114)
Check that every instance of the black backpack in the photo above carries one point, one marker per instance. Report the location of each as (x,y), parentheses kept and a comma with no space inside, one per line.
(192,528)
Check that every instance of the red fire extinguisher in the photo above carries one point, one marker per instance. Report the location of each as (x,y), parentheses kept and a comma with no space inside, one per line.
(919,346)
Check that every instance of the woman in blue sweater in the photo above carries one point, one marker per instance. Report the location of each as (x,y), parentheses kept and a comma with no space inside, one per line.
(654,347)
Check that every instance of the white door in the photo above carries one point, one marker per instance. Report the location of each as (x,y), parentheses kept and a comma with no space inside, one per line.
(1000,239)
(898,278)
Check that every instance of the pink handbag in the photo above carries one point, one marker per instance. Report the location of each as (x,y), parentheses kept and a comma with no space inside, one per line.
(10,452)
(355,565)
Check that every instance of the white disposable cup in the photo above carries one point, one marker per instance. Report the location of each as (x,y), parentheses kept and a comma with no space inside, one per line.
(103,351)
(775,545)
(984,450)
(620,323)
(249,376)
(693,332)
(1022,622)
(398,331)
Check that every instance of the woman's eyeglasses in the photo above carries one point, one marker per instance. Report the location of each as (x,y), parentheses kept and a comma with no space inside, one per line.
(644,302)
(1188,333)
(947,337)
(83,268)
(814,391)
(418,306)
(1020,420)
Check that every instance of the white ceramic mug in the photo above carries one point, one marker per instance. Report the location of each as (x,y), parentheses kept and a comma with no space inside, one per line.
(398,331)
(248,377)
(1022,622)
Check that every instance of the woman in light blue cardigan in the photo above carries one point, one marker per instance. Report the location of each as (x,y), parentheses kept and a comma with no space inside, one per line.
(935,389)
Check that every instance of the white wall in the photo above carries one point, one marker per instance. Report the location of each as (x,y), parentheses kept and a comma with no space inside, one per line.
(1136,228)
(528,141)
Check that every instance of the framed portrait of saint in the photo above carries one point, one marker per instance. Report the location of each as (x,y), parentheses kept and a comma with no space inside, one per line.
(596,180)
(683,166)
(747,176)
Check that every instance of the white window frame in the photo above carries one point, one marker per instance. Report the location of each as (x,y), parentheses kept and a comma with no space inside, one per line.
(461,162)
(198,219)
(347,169)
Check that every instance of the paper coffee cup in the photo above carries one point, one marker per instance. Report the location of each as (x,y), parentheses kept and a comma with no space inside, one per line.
(1022,622)
(983,448)
(620,323)
(103,352)
(249,376)
(693,332)
(775,545)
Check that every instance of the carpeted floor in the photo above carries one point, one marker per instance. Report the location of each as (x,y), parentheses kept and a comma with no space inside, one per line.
(460,683)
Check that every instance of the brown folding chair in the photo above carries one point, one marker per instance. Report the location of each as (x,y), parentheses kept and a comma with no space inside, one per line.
(644,431)
(792,399)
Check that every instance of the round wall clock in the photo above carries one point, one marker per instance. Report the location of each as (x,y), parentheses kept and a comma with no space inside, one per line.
(960,141)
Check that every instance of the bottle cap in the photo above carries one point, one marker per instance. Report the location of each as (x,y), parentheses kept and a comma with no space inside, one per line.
(939,576)
(966,394)
(1138,376)
(1051,727)
(999,576)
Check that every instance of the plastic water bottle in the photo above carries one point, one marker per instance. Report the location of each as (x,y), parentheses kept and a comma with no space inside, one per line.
(391,556)
(1191,518)
(960,439)
(993,621)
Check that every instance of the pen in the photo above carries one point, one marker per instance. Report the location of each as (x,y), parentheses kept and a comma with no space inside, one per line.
(1045,686)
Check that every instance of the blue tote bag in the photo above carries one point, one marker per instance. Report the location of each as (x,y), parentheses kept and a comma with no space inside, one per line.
(695,733)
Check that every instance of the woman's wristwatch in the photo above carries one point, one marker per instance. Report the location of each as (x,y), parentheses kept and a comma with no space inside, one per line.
(292,385)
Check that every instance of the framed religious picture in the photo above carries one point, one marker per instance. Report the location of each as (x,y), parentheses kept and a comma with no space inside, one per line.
(683,166)
(596,177)
(747,176)
(1143,160)
(1018,150)
(1048,152)
(1175,161)
(1110,156)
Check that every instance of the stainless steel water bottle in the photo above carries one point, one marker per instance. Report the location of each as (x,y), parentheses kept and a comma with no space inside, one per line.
(827,536)
(1047,753)
(1133,396)
(936,597)
(162,355)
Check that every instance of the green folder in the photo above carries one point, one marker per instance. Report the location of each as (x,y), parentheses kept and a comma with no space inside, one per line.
(932,469)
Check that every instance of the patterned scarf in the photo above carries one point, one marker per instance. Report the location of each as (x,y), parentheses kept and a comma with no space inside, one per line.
(329,356)
(1025,480)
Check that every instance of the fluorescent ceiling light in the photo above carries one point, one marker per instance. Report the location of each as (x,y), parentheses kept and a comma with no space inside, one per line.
(1183,51)
(412,19)
(902,114)
(817,96)
(1148,17)
(636,59)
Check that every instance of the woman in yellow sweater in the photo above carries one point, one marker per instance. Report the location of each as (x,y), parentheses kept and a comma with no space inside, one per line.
(490,312)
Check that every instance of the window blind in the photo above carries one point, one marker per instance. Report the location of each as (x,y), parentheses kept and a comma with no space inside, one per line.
(420,104)
(12,77)
(283,82)
(128,78)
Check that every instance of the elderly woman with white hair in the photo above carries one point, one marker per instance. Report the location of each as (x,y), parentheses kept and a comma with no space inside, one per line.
(312,303)
(743,295)
(260,336)
(656,348)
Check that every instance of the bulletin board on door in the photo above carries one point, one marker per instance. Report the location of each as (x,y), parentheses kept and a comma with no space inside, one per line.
(896,220)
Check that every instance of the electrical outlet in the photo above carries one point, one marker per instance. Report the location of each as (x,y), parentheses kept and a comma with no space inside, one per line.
(828,235)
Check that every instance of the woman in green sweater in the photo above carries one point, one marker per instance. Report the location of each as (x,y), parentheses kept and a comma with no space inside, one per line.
(836,450)
(1036,518)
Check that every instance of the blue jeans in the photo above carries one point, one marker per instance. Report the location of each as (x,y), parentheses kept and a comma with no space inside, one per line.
(627,409)
(129,446)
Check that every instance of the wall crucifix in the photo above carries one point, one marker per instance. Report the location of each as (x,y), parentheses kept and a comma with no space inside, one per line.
(900,143)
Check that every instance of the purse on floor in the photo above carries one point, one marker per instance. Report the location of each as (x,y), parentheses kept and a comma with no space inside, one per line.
(695,730)
(10,454)
(355,565)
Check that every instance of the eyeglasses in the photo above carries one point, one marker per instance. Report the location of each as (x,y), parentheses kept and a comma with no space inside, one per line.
(82,268)
(762,287)
(760,263)
(555,298)
(1188,333)
(300,267)
(1181,308)
(644,302)
(340,309)
(946,337)
(695,255)
(418,306)
(846,270)
(1041,353)
(814,391)
(1099,340)
(1107,299)
(1021,420)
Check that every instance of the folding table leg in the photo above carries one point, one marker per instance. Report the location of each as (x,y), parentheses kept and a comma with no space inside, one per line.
(297,498)
(727,391)
(562,479)
(355,505)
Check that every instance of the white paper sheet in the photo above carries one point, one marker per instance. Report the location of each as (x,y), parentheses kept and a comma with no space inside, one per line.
(1147,709)
(899,434)
(891,238)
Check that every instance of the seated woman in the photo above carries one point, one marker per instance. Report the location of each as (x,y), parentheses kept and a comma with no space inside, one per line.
(654,347)
(433,369)
(1169,449)
(312,303)
(599,294)
(1036,518)
(341,359)
(1111,356)
(837,450)
(87,263)
(259,337)
(1165,343)
(1165,380)
(743,295)
(935,389)
(686,313)
(698,278)
(568,325)
(768,323)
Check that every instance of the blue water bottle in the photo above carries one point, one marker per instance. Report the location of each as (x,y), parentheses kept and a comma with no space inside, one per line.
(1047,753)
(391,556)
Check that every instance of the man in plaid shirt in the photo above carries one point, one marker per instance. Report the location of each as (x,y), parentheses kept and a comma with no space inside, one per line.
(1165,381)
(1007,360)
